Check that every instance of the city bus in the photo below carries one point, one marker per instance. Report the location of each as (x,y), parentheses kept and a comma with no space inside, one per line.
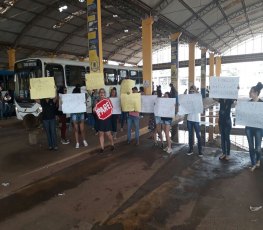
(67,73)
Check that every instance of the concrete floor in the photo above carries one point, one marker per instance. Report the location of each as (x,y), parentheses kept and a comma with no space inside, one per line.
(135,187)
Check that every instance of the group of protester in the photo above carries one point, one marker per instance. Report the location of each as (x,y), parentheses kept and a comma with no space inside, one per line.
(157,124)
(51,109)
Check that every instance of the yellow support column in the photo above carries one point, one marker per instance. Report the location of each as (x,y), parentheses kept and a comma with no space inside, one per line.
(95,35)
(218,66)
(147,54)
(191,67)
(11,58)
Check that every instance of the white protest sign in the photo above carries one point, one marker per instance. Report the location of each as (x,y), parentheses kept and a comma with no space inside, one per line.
(249,114)
(224,87)
(190,103)
(164,107)
(74,103)
(148,103)
(116,103)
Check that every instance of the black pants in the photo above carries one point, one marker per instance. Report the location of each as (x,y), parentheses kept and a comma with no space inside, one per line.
(225,129)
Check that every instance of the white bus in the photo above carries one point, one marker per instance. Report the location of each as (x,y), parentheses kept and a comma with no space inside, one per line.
(66,73)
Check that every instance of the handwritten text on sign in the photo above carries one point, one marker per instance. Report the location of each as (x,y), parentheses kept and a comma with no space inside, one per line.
(224,87)
(73,103)
(104,109)
(190,103)
(164,107)
(249,114)
(42,88)
(148,103)
(116,103)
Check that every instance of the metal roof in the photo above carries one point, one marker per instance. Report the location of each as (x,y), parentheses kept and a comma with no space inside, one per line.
(37,28)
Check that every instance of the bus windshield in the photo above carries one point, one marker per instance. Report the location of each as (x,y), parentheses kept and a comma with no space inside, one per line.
(25,70)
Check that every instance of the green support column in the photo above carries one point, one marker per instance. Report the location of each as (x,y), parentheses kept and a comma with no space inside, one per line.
(94,35)
(147,54)
(191,66)
(174,75)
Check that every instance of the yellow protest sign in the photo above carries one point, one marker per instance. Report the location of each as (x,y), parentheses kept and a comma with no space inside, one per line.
(127,85)
(131,102)
(43,87)
(94,81)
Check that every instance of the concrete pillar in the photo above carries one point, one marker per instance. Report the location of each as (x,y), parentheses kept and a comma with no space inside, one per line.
(147,54)
(174,75)
(211,112)
(11,58)
(203,92)
(218,66)
(191,67)
(94,35)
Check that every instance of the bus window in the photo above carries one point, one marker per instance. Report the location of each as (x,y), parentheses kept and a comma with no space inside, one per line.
(122,74)
(56,71)
(110,76)
(140,76)
(134,76)
(75,75)
(87,69)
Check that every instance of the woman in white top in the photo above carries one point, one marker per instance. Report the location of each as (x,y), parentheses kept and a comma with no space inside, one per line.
(193,120)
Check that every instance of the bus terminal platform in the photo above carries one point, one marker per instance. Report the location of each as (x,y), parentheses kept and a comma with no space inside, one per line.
(133,187)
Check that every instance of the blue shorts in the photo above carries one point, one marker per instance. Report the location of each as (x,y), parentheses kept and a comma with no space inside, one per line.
(167,121)
(77,117)
(158,120)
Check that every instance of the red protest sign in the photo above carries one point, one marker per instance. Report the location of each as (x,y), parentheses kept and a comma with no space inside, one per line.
(104,109)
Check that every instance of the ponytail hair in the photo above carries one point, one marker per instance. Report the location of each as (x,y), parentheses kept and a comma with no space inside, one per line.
(257,88)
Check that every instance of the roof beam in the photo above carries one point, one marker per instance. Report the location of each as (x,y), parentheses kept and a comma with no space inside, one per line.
(247,19)
(162,4)
(231,16)
(198,17)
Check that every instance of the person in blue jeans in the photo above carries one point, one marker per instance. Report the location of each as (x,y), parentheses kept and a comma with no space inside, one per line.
(193,120)
(133,118)
(225,126)
(49,109)
(254,135)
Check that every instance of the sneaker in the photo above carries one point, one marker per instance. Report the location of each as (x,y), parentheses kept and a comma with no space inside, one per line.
(252,168)
(64,142)
(227,158)
(190,152)
(169,150)
(222,157)
(155,143)
(101,151)
(56,148)
(200,154)
(112,148)
(50,148)
(85,143)
(137,143)
(258,164)
(96,134)
(165,149)
(121,129)
(77,146)
(128,142)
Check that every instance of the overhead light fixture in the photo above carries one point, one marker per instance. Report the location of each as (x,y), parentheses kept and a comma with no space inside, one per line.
(81,1)
(126,31)
(62,8)
(115,15)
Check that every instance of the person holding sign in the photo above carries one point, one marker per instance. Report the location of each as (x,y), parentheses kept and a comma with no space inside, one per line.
(254,135)
(78,122)
(134,118)
(49,121)
(225,126)
(114,117)
(104,125)
(62,117)
(166,124)
(193,120)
